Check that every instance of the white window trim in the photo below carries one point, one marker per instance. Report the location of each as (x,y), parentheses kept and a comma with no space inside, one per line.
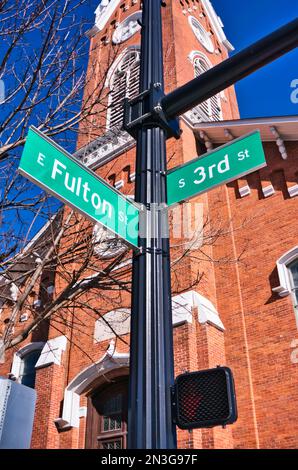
(207,42)
(106,244)
(115,38)
(52,352)
(192,56)
(110,76)
(112,361)
(19,355)
(285,285)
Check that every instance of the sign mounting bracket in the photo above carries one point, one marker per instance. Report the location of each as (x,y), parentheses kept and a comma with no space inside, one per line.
(145,110)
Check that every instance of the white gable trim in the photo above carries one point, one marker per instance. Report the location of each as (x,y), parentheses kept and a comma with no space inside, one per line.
(217,24)
(102,14)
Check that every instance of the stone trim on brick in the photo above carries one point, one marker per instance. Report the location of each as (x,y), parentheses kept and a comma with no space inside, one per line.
(102,14)
(282,263)
(111,361)
(18,356)
(117,321)
(182,306)
(52,352)
(207,313)
(217,24)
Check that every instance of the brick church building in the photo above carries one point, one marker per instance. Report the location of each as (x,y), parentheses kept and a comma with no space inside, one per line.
(235,298)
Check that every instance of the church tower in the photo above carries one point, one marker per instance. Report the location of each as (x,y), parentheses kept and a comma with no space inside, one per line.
(217,317)
(234,256)
(193,42)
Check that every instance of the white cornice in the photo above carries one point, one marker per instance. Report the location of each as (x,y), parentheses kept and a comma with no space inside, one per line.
(105,148)
(102,14)
(217,24)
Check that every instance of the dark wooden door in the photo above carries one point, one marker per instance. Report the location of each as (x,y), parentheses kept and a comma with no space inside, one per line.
(107,417)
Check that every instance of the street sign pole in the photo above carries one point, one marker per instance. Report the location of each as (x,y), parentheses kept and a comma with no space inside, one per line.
(151,119)
(150,423)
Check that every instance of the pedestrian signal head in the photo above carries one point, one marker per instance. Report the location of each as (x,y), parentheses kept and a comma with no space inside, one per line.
(205,399)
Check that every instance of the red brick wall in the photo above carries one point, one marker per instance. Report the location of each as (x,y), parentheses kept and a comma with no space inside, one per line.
(49,390)
(259,325)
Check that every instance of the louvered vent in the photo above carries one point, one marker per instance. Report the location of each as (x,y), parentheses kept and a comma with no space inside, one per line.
(125,84)
(209,110)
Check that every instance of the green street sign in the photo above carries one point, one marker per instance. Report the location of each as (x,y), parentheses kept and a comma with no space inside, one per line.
(226,163)
(59,173)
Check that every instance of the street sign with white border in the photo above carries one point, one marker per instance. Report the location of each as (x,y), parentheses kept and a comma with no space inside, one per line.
(55,170)
(224,164)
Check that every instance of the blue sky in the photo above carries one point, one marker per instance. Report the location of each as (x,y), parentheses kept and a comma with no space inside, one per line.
(267,91)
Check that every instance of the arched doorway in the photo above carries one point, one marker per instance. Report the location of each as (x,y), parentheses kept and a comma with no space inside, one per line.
(107,417)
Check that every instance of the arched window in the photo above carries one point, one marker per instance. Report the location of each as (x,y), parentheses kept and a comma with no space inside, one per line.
(124,83)
(293,269)
(287,268)
(107,417)
(24,362)
(209,110)
(27,368)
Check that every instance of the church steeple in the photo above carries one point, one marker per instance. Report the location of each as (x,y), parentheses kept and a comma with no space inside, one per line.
(193,41)
(217,24)
(107,7)
(200,43)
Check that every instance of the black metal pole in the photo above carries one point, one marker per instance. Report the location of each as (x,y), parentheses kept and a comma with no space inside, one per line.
(231,70)
(150,424)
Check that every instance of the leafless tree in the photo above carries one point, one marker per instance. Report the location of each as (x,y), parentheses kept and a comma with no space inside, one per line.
(71,274)
(66,275)
(43,61)
(43,65)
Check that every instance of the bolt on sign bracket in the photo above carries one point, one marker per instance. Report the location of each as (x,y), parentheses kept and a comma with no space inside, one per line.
(145,110)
